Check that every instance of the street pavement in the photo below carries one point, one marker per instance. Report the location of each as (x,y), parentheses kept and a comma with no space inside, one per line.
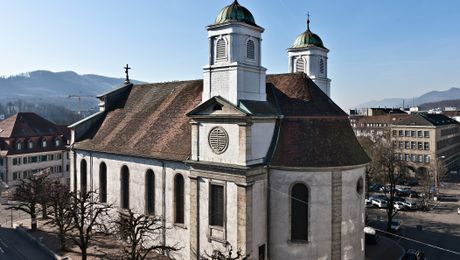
(13,246)
(439,227)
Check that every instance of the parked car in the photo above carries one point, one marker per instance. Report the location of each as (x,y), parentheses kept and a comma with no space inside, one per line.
(399,205)
(395,225)
(379,203)
(412,254)
(410,204)
(368,202)
(374,187)
(411,182)
(378,196)
(370,236)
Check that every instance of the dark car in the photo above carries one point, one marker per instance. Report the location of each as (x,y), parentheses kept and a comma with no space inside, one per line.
(374,187)
(370,236)
(412,254)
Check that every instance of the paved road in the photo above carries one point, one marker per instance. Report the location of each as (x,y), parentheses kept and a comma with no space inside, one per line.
(439,227)
(13,246)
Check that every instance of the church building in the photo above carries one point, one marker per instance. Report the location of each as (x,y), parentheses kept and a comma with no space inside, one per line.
(268,164)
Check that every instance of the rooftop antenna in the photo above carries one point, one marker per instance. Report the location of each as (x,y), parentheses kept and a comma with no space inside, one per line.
(127,68)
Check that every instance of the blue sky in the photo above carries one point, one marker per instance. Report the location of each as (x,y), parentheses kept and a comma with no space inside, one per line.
(378,49)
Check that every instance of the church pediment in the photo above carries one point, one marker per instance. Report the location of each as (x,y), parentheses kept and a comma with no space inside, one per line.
(217,106)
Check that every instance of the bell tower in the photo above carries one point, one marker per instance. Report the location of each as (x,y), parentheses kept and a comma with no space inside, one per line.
(234,70)
(309,55)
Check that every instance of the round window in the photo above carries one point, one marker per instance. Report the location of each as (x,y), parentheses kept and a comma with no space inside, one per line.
(360,186)
(218,140)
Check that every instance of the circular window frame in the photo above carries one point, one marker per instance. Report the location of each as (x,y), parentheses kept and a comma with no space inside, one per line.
(214,149)
(360,186)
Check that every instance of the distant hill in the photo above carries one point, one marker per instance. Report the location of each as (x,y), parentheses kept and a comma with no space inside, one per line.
(55,87)
(433,96)
(441,104)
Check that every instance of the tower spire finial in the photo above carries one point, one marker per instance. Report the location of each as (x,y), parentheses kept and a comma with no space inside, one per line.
(308,21)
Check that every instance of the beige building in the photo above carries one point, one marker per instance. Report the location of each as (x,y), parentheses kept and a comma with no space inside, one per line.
(422,140)
(30,144)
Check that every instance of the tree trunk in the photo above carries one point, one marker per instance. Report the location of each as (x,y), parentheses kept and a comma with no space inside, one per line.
(44,211)
(62,245)
(33,222)
(83,253)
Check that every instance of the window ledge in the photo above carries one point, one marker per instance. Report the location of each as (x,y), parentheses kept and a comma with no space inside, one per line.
(297,242)
(180,225)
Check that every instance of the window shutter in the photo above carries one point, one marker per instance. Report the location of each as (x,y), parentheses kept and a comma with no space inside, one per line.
(221,52)
(250,50)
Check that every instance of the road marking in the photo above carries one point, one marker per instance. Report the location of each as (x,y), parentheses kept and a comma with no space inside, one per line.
(3,243)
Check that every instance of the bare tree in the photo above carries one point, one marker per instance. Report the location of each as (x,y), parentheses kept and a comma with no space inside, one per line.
(227,254)
(61,215)
(140,234)
(88,215)
(29,193)
(385,165)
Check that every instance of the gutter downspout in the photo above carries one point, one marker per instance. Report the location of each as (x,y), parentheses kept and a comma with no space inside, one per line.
(198,218)
(163,176)
(74,173)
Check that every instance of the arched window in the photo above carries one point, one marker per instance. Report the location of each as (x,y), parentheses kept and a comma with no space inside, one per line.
(221,49)
(30,144)
(83,176)
(44,143)
(57,142)
(178,199)
(300,65)
(250,50)
(150,192)
(299,212)
(124,187)
(321,66)
(102,183)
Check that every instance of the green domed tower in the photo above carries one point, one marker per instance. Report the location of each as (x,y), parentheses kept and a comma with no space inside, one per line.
(234,71)
(308,55)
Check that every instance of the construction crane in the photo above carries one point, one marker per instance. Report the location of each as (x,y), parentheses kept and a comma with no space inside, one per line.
(79,97)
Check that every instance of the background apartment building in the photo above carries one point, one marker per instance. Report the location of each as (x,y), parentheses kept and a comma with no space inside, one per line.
(422,140)
(30,144)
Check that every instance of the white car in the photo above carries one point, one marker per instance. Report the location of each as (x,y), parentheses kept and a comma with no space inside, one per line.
(410,204)
(380,203)
(399,205)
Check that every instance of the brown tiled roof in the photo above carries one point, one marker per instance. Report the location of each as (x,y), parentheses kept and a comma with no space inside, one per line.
(24,127)
(314,131)
(152,123)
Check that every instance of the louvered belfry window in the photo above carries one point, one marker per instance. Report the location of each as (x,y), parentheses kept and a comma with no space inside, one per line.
(300,65)
(221,49)
(321,66)
(250,49)
(218,140)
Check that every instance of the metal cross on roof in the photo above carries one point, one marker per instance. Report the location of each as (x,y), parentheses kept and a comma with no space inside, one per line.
(127,68)
(308,21)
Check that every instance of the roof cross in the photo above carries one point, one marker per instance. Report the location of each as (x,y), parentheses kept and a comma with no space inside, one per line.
(308,21)
(127,68)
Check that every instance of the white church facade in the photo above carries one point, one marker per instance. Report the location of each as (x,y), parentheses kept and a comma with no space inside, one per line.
(266,163)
